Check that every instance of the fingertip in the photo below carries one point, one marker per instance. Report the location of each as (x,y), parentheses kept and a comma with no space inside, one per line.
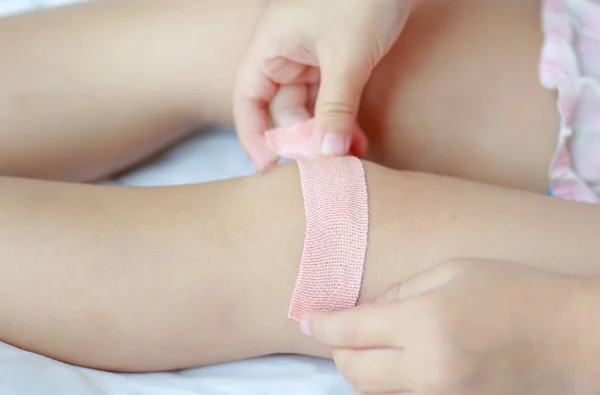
(306,325)
(333,138)
(251,125)
(360,144)
(264,162)
(258,157)
(333,144)
(317,325)
(356,328)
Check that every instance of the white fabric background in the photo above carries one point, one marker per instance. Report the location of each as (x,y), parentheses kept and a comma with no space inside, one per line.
(210,155)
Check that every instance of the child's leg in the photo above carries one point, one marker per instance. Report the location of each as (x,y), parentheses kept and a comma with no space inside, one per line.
(93,88)
(459,95)
(90,89)
(149,279)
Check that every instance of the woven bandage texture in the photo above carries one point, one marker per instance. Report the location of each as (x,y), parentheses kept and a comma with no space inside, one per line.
(337,226)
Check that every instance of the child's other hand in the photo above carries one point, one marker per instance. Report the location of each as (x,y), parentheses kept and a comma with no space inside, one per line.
(471,327)
(313,57)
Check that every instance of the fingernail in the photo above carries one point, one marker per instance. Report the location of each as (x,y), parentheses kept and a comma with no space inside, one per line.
(334,145)
(305,325)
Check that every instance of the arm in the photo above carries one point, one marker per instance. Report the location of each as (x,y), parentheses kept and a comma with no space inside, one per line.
(152,279)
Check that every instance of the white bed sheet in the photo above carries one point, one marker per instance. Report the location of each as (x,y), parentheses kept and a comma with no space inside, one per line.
(210,155)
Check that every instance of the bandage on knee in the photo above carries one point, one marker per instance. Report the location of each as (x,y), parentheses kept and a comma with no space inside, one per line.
(337,221)
(335,246)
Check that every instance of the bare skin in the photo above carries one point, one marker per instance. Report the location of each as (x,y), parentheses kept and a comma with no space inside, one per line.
(144,289)
(444,101)
(136,279)
(459,95)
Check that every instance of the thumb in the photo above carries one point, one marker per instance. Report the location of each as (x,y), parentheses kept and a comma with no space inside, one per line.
(342,84)
(422,283)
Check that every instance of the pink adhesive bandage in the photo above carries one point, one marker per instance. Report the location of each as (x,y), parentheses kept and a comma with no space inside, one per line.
(337,226)
(337,222)
(295,142)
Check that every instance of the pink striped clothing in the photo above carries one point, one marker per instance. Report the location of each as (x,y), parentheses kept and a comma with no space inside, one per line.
(570,64)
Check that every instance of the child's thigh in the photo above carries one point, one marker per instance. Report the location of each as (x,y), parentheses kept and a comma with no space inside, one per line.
(121,80)
(459,95)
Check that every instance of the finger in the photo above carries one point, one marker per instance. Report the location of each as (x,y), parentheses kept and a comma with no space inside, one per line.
(253,93)
(313,92)
(292,103)
(372,371)
(285,71)
(369,326)
(342,81)
(420,284)
(289,106)
(360,144)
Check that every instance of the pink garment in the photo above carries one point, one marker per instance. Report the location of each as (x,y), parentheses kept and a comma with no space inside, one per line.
(337,223)
(570,63)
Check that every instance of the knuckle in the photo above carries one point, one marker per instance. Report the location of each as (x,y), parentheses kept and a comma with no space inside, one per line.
(335,110)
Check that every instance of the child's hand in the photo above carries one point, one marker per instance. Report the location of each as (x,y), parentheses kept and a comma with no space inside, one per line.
(307,52)
(467,327)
